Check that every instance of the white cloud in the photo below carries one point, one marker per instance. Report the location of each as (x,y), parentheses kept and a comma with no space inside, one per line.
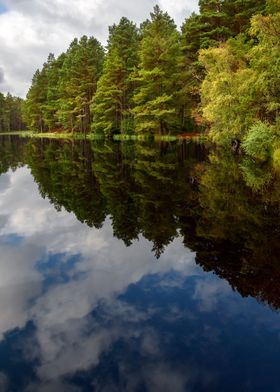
(31,29)
(209,291)
(104,270)
(179,9)
(19,283)
(2,76)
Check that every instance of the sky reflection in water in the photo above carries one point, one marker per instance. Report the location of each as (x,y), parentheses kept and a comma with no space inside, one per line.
(80,311)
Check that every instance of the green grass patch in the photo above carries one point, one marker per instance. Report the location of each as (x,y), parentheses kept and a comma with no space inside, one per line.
(15,133)
(166,138)
(91,136)
(52,135)
(123,137)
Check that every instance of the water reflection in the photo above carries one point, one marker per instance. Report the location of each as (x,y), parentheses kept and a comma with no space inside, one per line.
(86,306)
(141,187)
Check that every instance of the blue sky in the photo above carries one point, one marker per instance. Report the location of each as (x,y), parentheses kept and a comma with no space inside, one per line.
(3,8)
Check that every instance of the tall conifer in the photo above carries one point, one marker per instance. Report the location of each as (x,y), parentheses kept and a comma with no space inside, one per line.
(157,76)
(79,75)
(112,102)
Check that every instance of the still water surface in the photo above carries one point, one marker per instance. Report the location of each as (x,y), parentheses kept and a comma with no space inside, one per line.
(137,267)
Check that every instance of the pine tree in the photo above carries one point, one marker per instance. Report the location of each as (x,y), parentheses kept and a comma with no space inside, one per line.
(240,12)
(11,113)
(2,113)
(112,102)
(80,72)
(36,100)
(157,77)
(52,102)
(191,71)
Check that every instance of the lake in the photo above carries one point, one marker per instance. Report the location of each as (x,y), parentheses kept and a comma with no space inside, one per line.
(137,266)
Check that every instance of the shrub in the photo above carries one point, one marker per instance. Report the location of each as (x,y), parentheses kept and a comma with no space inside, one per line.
(258,143)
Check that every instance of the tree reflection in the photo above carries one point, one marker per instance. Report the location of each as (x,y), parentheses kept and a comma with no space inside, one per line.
(225,207)
(240,220)
(63,171)
(11,153)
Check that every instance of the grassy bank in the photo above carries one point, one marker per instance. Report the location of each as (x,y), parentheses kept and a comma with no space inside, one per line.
(76,136)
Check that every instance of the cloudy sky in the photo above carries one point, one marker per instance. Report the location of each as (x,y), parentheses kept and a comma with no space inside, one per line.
(31,29)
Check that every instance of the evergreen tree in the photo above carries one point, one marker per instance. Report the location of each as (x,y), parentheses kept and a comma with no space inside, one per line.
(213,20)
(157,77)
(52,103)
(36,100)
(112,102)
(2,112)
(191,71)
(240,12)
(11,113)
(80,72)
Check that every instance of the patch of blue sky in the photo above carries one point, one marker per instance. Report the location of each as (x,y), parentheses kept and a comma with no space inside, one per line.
(57,268)
(3,8)
(11,239)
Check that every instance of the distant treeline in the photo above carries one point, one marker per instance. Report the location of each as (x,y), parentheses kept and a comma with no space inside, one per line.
(11,113)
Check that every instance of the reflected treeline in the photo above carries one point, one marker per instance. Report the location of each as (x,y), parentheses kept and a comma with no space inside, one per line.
(64,174)
(142,187)
(240,220)
(225,208)
(11,153)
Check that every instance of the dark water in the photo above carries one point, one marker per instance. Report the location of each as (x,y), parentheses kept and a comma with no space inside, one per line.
(137,267)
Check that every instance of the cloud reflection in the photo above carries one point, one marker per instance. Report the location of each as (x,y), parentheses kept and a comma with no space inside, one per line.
(104,270)
(81,317)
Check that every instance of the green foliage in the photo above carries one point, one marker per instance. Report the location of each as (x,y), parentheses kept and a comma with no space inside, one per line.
(217,21)
(222,71)
(272,6)
(42,101)
(155,99)
(257,177)
(242,82)
(276,159)
(36,100)
(240,12)
(258,142)
(228,99)
(78,82)
(52,104)
(63,171)
(11,113)
(60,94)
(113,99)
(12,153)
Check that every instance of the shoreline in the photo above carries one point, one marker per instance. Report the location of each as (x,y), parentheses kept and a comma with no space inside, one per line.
(200,137)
